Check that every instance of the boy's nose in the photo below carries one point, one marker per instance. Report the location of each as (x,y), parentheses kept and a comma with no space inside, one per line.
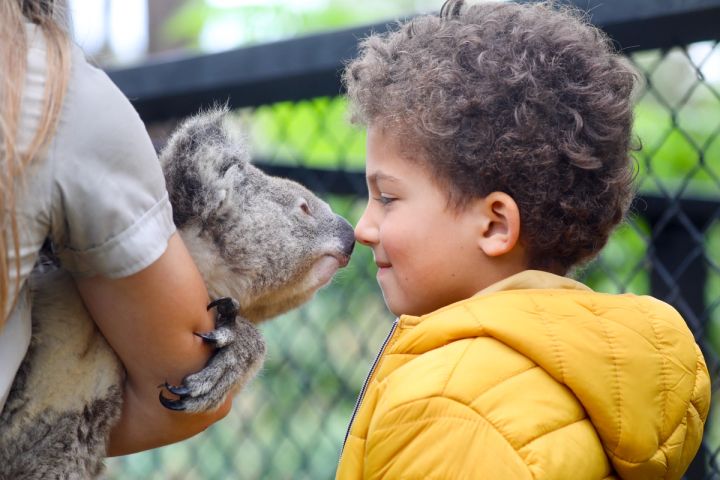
(365,232)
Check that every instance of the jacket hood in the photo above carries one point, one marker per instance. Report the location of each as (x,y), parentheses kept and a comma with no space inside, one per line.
(630,360)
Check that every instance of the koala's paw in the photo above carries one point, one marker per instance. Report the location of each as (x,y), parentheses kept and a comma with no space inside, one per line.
(239,355)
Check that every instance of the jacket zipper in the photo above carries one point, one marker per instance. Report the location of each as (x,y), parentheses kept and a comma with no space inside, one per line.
(365,385)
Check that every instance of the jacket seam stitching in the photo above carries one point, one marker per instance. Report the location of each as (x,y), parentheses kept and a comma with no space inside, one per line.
(457,363)
(663,377)
(698,370)
(556,348)
(600,316)
(616,395)
(534,366)
(435,417)
(579,420)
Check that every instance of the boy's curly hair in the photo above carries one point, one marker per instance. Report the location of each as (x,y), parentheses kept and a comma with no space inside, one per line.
(528,99)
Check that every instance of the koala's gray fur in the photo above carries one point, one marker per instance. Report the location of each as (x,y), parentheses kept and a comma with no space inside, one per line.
(267,242)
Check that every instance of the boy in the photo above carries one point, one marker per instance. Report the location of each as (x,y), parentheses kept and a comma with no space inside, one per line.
(497,160)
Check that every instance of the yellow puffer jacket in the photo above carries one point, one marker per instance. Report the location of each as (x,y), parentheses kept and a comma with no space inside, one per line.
(536,377)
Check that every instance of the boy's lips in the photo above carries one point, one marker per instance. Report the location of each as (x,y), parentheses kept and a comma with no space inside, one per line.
(382,264)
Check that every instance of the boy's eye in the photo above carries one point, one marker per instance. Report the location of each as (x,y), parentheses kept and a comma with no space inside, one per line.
(383,199)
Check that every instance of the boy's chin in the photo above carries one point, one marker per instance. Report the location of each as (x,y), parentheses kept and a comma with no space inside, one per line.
(392,306)
(429,304)
(399,308)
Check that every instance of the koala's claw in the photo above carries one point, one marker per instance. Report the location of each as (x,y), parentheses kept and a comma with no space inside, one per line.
(219,337)
(180,391)
(176,405)
(239,352)
(226,307)
(208,337)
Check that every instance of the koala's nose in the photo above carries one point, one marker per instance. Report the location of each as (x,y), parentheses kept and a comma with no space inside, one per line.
(347,235)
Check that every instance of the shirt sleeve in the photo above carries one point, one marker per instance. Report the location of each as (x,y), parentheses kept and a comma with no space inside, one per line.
(111,213)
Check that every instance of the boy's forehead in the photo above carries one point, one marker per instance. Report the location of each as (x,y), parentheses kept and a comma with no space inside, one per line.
(384,158)
(380,176)
(389,159)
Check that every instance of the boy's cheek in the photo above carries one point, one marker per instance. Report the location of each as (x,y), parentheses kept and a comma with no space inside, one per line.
(393,295)
(386,292)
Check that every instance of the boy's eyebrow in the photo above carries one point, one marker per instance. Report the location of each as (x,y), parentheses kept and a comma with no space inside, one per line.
(377,176)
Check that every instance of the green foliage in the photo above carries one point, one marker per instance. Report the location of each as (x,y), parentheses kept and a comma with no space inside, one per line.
(622,265)
(271,20)
(678,123)
(187,24)
(312,133)
(712,292)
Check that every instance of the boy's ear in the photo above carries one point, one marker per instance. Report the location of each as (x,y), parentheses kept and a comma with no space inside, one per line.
(500,224)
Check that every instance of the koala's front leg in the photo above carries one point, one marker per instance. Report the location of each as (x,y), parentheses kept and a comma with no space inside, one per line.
(239,353)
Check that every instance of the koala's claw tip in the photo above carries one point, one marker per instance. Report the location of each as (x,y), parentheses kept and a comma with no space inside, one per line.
(207,337)
(180,391)
(176,405)
(226,306)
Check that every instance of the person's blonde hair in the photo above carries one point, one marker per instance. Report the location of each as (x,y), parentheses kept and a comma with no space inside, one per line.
(48,15)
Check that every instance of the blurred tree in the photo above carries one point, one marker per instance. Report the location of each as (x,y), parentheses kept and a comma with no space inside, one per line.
(158,13)
(211,25)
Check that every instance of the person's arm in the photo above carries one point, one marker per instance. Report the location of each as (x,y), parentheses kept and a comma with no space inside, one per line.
(149,319)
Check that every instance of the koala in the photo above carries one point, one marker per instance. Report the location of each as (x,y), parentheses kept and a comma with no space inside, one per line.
(263,244)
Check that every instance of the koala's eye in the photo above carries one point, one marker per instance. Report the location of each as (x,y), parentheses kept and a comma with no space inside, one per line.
(305,207)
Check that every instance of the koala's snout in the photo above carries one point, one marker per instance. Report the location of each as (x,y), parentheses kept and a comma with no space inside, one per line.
(346,235)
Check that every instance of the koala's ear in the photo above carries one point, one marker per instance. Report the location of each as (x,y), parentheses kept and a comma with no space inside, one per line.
(199,132)
(195,160)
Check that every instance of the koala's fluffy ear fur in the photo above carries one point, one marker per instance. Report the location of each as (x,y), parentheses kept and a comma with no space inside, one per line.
(197,160)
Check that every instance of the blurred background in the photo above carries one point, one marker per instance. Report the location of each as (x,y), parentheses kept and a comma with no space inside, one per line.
(125,32)
(290,423)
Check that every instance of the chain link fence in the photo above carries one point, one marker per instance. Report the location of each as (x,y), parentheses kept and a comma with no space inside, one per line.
(291,421)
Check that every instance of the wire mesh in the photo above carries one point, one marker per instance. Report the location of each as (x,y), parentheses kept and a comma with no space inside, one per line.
(290,422)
